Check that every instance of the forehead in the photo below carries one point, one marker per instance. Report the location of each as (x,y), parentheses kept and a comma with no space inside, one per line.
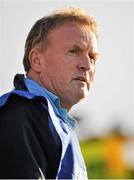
(72,33)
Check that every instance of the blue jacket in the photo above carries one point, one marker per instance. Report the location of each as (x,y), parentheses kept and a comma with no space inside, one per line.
(35,142)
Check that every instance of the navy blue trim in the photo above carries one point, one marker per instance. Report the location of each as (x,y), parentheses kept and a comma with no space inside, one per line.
(4,98)
(67,167)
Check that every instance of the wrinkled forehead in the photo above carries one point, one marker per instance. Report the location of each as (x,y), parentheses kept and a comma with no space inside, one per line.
(71,33)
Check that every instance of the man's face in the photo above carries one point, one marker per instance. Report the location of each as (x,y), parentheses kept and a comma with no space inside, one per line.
(68,63)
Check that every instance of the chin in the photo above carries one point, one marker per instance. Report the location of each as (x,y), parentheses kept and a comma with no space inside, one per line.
(83,93)
(81,96)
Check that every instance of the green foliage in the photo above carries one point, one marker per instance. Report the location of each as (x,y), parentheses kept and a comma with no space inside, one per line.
(94,155)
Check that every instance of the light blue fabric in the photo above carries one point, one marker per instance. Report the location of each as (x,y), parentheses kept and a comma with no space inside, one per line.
(36,89)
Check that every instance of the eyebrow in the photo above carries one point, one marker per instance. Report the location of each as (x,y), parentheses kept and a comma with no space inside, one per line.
(77,47)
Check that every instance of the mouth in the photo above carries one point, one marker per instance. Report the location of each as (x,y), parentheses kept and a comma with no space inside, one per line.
(81,79)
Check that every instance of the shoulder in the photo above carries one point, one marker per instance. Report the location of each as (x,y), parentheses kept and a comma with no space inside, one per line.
(25,132)
(20,109)
(19,102)
(21,115)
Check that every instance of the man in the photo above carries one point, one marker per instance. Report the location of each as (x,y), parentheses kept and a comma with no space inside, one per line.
(37,136)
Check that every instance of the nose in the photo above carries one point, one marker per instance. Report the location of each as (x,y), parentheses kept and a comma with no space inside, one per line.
(85,64)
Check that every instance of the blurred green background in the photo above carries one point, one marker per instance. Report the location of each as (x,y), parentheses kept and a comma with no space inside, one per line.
(110,156)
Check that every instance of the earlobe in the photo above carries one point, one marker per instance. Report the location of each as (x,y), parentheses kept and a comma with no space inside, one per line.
(34,59)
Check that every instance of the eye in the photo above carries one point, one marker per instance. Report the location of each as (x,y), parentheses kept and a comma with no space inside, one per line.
(75,51)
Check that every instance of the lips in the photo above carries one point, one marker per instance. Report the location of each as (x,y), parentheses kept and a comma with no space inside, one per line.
(81,78)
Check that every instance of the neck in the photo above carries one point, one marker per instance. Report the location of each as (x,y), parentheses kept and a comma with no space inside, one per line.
(65,105)
(35,78)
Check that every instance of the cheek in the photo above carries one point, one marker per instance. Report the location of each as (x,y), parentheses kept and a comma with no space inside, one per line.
(63,77)
(59,74)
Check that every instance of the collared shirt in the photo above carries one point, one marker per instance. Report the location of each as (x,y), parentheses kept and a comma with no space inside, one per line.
(36,89)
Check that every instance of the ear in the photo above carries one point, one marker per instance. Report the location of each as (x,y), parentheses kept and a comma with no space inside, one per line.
(34,58)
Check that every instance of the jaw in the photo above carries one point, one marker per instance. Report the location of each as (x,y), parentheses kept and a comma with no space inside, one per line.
(73,97)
